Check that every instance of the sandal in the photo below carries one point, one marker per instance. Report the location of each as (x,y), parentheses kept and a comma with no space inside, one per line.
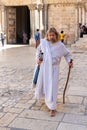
(52,113)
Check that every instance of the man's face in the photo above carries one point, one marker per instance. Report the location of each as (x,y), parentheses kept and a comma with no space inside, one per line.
(52,37)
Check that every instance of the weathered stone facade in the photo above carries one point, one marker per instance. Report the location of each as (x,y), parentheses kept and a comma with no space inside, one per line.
(63,15)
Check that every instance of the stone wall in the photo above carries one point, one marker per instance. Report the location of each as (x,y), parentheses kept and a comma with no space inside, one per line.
(63,18)
(61,14)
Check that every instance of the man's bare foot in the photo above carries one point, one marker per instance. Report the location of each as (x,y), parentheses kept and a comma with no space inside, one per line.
(52,113)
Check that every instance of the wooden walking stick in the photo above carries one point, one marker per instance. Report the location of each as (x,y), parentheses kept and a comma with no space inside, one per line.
(66,83)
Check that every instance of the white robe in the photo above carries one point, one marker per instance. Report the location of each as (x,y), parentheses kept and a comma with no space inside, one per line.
(47,83)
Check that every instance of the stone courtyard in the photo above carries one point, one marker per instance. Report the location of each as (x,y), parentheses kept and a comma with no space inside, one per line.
(18,108)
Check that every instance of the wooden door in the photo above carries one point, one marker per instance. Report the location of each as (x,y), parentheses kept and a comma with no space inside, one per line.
(11,25)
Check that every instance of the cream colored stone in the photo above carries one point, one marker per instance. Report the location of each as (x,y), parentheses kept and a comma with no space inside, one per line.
(71,108)
(7,119)
(44,108)
(74,99)
(66,126)
(41,115)
(70,99)
(13,110)
(85,101)
(75,119)
(4,128)
(35,108)
(23,101)
(20,105)
(33,124)
(31,101)
(1,114)
(21,2)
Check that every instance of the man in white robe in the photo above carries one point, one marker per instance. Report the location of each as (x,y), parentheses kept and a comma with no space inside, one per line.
(47,83)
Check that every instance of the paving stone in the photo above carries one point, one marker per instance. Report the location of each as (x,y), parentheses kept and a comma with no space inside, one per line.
(33,124)
(35,108)
(85,101)
(7,118)
(13,110)
(71,108)
(1,114)
(23,101)
(17,129)
(70,99)
(41,115)
(31,101)
(4,128)
(3,100)
(39,103)
(78,89)
(74,99)
(44,108)
(29,96)
(20,105)
(66,126)
(75,119)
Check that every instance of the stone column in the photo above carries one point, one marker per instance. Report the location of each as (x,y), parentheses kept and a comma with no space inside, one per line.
(83,16)
(86,18)
(80,14)
(2,18)
(32,8)
(3,21)
(35,19)
(45,17)
(40,18)
(77,23)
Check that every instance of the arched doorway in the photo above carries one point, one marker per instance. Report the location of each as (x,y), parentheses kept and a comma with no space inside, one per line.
(18,25)
(22,24)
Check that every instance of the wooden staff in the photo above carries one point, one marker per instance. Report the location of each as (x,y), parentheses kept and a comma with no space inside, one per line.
(66,83)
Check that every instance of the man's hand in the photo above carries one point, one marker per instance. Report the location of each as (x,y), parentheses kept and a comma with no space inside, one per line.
(39,61)
(70,63)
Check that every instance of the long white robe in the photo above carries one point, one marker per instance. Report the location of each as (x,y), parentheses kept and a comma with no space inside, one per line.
(47,83)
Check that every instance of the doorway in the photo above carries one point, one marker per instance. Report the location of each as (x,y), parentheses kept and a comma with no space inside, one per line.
(22,25)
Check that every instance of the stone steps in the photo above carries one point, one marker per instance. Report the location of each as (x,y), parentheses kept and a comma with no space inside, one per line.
(81,43)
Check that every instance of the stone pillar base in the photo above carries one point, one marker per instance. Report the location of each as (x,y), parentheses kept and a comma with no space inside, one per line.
(32,42)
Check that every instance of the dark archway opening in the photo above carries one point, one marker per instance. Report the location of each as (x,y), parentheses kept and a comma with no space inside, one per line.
(22,25)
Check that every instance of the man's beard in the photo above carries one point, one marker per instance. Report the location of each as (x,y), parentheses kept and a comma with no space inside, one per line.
(53,40)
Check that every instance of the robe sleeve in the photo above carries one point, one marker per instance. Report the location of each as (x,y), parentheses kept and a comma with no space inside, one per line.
(66,54)
(38,51)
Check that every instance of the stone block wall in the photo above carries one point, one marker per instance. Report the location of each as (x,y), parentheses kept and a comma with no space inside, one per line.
(63,18)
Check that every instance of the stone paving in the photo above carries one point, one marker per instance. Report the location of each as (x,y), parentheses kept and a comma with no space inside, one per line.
(18,108)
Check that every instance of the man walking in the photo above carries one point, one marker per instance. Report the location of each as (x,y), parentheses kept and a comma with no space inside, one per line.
(47,83)
(37,37)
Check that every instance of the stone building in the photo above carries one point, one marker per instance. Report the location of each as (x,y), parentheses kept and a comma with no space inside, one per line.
(25,16)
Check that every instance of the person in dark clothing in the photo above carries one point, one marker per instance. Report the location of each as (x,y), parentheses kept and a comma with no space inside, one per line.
(2,38)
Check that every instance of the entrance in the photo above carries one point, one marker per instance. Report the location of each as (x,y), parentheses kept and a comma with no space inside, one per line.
(22,25)
(18,25)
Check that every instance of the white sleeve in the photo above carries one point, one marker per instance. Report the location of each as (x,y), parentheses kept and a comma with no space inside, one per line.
(66,54)
(38,51)
(68,57)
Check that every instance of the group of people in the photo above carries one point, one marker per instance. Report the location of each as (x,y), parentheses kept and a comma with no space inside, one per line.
(83,30)
(48,77)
